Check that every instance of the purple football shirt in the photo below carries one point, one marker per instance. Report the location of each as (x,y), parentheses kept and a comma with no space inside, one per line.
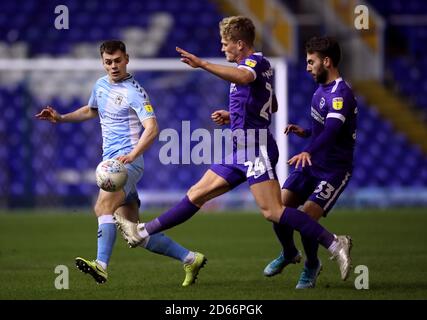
(334,100)
(250,105)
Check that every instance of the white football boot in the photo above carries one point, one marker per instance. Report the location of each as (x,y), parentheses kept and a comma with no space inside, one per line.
(129,231)
(342,255)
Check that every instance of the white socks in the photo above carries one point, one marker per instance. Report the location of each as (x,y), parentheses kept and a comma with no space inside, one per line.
(143,234)
(107,218)
(102,264)
(189,258)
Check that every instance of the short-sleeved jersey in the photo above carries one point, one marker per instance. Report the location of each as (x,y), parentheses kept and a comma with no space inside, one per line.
(122,107)
(250,105)
(335,100)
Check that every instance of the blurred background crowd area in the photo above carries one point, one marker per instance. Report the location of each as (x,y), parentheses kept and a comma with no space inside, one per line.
(43,165)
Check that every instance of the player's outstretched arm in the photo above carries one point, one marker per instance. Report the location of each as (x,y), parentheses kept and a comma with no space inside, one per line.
(190,59)
(151,130)
(221,117)
(79,115)
(233,74)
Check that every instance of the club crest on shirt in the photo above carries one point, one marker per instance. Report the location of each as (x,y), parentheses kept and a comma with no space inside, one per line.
(148,108)
(118,100)
(322,103)
(251,63)
(337,103)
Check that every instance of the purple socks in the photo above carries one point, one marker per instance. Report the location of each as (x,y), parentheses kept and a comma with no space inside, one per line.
(181,212)
(309,228)
(285,234)
(311,247)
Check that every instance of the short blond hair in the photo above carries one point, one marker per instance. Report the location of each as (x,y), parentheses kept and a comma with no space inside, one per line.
(238,28)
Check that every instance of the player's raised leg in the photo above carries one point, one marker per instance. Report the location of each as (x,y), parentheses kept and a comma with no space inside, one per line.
(208,187)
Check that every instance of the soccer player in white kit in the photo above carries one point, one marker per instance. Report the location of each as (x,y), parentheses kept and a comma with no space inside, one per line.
(129,127)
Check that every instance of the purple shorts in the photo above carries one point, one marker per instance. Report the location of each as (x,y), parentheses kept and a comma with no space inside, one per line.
(255,169)
(321,188)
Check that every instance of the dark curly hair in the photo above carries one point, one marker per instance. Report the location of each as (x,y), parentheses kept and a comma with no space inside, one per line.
(325,47)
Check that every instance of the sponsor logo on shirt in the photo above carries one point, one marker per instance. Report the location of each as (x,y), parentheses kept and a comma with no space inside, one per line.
(148,108)
(337,103)
(251,63)
(111,115)
(322,103)
(316,115)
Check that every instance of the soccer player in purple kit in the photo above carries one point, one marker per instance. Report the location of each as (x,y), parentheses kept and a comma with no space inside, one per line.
(323,169)
(250,107)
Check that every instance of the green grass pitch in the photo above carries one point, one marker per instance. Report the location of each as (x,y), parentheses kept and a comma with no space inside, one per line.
(391,243)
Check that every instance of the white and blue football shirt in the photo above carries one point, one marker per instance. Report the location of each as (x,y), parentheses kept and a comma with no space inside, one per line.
(122,107)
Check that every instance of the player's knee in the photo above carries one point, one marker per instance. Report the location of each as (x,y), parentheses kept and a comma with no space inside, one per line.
(313,215)
(196,195)
(268,214)
(101,208)
(98,209)
(313,210)
(271,214)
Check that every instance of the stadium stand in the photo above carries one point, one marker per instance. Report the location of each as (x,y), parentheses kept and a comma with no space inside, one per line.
(407,29)
(46,165)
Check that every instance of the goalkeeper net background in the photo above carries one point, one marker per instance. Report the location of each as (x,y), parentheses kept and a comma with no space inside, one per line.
(50,165)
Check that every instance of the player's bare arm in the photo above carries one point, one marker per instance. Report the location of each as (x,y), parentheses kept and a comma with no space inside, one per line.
(151,130)
(82,114)
(302,158)
(293,128)
(232,74)
(221,117)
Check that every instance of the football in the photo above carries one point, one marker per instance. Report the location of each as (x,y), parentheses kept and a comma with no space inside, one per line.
(111,175)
